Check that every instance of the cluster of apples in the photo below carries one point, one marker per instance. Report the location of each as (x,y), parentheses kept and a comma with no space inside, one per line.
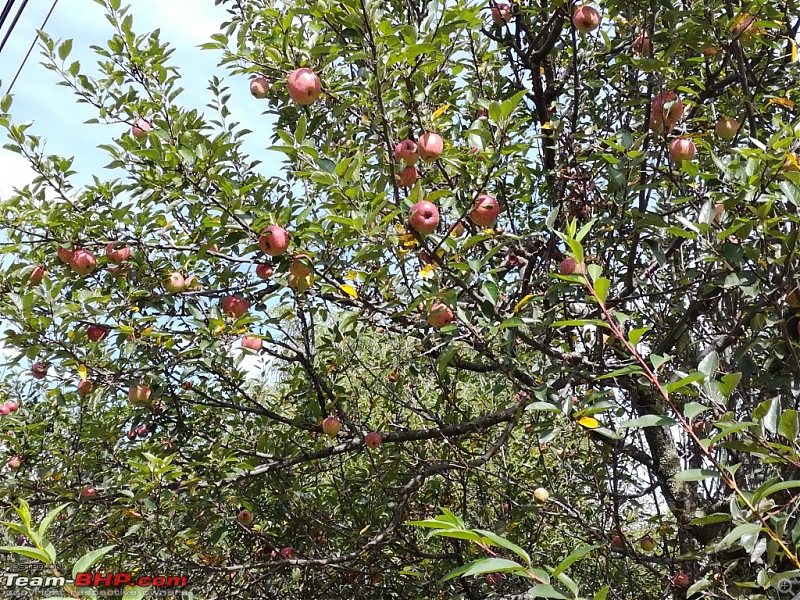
(331,426)
(429,148)
(303,85)
(8,407)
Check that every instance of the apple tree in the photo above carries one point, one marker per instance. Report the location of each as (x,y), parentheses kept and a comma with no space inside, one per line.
(518,315)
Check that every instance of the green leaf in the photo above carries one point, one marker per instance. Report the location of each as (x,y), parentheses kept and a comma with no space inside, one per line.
(737,533)
(649,421)
(601,288)
(776,487)
(575,556)
(512,322)
(64,49)
(709,365)
(504,543)
(300,130)
(657,360)
(490,292)
(602,593)
(45,524)
(635,335)
(580,323)
(787,427)
(89,559)
(692,409)
(30,552)
(629,370)
(696,475)
(483,565)
(546,591)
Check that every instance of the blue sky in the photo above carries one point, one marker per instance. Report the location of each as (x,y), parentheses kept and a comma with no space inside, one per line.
(53,109)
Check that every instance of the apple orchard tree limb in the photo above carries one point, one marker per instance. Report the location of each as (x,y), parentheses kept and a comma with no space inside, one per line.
(494,383)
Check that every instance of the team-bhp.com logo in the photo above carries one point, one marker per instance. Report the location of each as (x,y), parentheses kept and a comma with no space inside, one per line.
(93,580)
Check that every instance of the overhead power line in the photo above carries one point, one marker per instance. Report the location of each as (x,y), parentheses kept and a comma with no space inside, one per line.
(6,11)
(13,24)
(33,43)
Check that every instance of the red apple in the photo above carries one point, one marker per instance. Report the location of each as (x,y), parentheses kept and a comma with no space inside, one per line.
(39,370)
(37,274)
(430,146)
(4,410)
(424,217)
(15,462)
(85,387)
(174,283)
(481,113)
(440,315)
(485,211)
(12,405)
(245,517)
(407,177)
(119,255)
(726,128)
(264,271)
(304,86)
(682,149)
(131,435)
(287,552)
(501,14)
(641,45)
(680,580)
(82,262)
(373,440)
(139,394)
(259,87)
(88,492)
(64,255)
(142,431)
(140,128)
(234,306)
(274,240)
(570,266)
(617,542)
(331,426)
(586,19)
(252,343)
(406,151)
(95,333)
(666,109)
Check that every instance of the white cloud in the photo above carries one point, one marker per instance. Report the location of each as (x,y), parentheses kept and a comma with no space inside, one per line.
(14,173)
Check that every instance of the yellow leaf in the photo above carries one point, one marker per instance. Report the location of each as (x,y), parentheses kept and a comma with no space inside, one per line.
(439,112)
(349,290)
(792,159)
(147,330)
(782,102)
(547,126)
(82,372)
(522,302)
(589,422)
(351,275)
(366,529)
(427,271)
(218,328)
(794,50)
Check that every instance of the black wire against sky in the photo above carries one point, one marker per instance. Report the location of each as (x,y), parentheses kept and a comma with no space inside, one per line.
(13,23)
(5,13)
(33,43)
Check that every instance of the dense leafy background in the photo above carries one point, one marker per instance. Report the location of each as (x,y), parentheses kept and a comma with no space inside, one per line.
(693,264)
